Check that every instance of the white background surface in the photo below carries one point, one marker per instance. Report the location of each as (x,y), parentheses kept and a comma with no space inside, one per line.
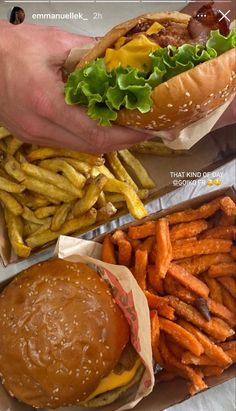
(221,398)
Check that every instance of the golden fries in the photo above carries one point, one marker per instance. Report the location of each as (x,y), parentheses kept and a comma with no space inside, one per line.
(13,145)
(138,169)
(70,226)
(119,170)
(134,204)
(9,186)
(155,148)
(91,195)
(15,233)
(4,133)
(45,186)
(48,152)
(13,168)
(50,177)
(60,216)
(51,190)
(11,203)
(57,165)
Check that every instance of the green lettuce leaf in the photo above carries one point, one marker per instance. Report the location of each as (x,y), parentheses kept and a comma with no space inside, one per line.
(220,43)
(105,93)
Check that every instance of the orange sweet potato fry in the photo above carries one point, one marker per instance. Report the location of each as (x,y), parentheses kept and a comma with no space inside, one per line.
(172,287)
(108,251)
(228,206)
(155,334)
(228,300)
(226,233)
(155,301)
(189,358)
(142,231)
(232,354)
(183,241)
(140,267)
(229,283)
(185,230)
(222,270)
(117,236)
(213,351)
(181,336)
(215,327)
(215,289)
(206,246)
(184,370)
(175,348)
(205,211)
(147,244)
(164,248)
(134,243)
(228,345)
(167,311)
(226,220)
(219,310)
(211,370)
(233,252)
(154,280)
(124,253)
(198,264)
(188,280)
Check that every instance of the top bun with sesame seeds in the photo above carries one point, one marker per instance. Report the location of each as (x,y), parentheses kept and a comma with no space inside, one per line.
(61,335)
(189,84)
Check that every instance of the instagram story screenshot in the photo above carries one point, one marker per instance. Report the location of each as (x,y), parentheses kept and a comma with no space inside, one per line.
(117,205)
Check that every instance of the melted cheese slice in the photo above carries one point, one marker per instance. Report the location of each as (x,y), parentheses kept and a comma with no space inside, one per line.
(113,381)
(135,53)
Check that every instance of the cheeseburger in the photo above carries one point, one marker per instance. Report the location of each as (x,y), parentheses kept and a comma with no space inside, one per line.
(63,339)
(157,71)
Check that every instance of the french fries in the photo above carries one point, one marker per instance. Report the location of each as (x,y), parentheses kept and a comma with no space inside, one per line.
(48,152)
(193,291)
(134,204)
(155,148)
(15,231)
(138,169)
(4,133)
(70,226)
(48,187)
(10,187)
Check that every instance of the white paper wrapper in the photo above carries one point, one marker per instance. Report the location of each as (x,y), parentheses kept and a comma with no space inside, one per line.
(128,296)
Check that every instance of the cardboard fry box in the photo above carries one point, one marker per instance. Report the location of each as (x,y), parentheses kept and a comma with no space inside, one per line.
(165,394)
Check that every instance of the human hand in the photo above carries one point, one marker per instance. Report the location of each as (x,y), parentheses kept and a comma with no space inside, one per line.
(32,103)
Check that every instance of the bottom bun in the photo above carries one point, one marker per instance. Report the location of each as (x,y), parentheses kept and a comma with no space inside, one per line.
(113,395)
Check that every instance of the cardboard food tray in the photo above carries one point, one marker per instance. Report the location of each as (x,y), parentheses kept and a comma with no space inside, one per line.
(177,389)
(211,152)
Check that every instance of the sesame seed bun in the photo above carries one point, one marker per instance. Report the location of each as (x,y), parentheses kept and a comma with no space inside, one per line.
(61,332)
(183,99)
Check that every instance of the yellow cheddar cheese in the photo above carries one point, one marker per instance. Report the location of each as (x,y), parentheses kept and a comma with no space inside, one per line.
(113,381)
(155,27)
(135,54)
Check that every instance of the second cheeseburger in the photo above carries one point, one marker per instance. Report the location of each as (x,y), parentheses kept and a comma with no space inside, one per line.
(63,339)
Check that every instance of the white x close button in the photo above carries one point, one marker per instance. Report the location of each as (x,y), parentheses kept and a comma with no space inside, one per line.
(224,15)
